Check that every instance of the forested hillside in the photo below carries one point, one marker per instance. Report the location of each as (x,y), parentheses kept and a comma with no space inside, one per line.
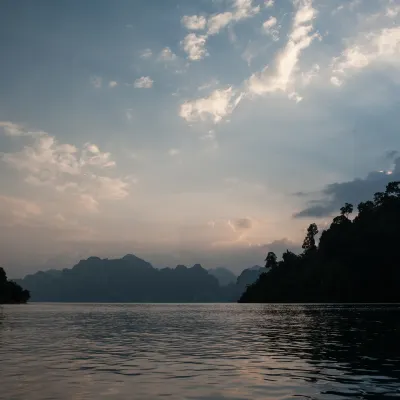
(356,260)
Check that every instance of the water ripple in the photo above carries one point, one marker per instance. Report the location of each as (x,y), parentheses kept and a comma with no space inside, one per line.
(207,352)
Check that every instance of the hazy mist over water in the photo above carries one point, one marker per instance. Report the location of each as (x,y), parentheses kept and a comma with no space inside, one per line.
(213,351)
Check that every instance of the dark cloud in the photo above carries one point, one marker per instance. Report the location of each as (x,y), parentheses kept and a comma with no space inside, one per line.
(336,194)
(301,194)
(391,154)
(242,223)
(318,211)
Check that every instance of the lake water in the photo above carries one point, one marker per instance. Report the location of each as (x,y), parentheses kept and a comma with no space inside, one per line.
(207,352)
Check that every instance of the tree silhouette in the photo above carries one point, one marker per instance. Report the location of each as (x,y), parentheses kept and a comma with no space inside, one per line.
(346,210)
(3,276)
(379,198)
(355,261)
(271,260)
(309,241)
(393,189)
(289,257)
(365,207)
(10,292)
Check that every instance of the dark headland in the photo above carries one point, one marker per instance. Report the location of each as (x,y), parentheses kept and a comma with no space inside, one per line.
(356,261)
(11,292)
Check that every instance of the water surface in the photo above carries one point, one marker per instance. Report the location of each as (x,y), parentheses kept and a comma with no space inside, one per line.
(207,352)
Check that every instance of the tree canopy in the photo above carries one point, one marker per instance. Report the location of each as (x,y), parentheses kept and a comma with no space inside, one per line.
(10,292)
(271,261)
(355,261)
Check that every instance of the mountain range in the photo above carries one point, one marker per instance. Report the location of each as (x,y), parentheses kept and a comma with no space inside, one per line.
(131,279)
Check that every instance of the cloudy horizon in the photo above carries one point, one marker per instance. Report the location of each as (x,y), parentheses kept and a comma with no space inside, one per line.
(190,131)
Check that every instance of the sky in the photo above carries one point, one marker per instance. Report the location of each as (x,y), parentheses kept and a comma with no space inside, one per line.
(190,131)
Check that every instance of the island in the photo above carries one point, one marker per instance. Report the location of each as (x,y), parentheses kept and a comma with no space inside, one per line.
(11,292)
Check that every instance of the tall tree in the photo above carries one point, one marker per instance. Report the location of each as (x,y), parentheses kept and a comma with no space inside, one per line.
(365,206)
(289,257)
(393,189)
(3,276)
(346,210)
(309,241)
(271,261)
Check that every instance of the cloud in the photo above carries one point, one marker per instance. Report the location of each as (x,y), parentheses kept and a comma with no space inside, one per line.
(96,81)
(382,45)
(242,9)
(194,46)
(210,84)
(268,28)
(240,224)
(335,195)
(112,84)
(311,74)
(219,21)
(269,3)
(105,187)
(129,114)
(209,136)
(336,81)
(194,22)
(337,9)
(393,11)
(348,5)
(13,129)
(300,37)
(146,53)
(173,152)
(91,155)
(242,236)
(89,203)
(295,96)
(217,106)
(15,211)
(252,50)
(167,55)
(391,154)
(46,158)
(237,235)
(145,82)
(269,23)
(92,148)
(63,168)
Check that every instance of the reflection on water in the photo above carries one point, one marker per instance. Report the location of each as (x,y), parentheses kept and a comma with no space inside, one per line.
(232,351)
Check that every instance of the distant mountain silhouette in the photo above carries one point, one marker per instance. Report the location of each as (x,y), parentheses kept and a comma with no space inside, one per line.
(224,275)
(129,279)
(11,292)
